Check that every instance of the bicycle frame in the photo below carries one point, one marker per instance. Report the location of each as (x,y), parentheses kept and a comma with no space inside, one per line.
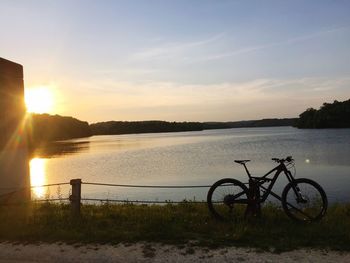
(300,206)
(263,179)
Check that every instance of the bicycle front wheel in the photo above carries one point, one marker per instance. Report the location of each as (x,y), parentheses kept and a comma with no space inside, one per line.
(227,199)
(304,200)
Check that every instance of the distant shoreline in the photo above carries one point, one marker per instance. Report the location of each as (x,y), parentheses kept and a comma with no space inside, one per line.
(135,127)
(47,128)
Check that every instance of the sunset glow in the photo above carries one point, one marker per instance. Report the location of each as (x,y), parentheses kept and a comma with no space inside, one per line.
(39,100)
(213,61)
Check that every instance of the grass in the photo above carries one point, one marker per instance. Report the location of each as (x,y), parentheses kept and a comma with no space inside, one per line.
(172,224)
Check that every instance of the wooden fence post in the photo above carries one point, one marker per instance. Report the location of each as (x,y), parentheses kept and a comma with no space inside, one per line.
(75,197)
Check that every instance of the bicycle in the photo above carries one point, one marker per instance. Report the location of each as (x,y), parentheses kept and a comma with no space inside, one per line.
(302,199)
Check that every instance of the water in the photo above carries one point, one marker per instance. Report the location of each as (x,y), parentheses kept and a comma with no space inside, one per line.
(192,158)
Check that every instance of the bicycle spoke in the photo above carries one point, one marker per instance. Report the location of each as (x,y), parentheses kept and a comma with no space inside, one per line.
(304,200)
(227,198)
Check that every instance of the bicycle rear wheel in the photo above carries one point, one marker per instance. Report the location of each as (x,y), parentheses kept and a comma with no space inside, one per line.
(304,200)
(227,199)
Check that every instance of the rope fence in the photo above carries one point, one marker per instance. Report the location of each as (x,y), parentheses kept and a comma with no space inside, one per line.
(140,201)
(141,186)
(48,185)
(150,186)
(51,200)
(32,186)
(76,199)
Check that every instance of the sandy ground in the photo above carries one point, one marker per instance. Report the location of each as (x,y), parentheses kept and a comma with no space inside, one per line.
(148,252)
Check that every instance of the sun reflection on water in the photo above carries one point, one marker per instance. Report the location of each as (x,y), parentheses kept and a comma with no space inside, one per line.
(38,176)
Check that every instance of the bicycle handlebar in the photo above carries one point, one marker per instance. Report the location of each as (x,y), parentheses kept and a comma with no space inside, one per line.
(288,159)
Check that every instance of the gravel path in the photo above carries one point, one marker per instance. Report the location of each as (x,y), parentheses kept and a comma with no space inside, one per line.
(149,252)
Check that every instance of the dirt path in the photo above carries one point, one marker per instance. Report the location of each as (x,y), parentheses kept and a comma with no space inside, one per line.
(143,252)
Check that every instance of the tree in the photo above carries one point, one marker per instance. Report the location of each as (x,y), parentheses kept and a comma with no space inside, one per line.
(330,115)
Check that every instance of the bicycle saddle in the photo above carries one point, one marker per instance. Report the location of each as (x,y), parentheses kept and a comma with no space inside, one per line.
(242,161)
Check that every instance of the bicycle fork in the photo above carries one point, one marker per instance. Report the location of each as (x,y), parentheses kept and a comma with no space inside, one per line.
(296,189)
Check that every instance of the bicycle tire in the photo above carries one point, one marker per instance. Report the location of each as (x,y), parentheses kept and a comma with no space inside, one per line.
(223,195)
(313,205)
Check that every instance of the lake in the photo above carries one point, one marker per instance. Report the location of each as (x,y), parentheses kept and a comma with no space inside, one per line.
(191,158)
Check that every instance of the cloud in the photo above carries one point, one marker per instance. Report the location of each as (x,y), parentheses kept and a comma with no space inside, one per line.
(254,99)
(189,52)
(250,49)
(249,95)
(168,50)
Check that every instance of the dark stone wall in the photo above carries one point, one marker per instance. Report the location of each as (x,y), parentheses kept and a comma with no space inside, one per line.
(14,165)
(12,107)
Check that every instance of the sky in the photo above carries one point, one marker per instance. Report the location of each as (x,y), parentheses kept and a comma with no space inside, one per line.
(191,60)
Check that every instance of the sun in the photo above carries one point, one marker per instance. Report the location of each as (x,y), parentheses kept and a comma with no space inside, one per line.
(39,99)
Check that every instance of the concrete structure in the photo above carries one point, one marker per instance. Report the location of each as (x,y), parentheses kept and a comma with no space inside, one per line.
(14,165)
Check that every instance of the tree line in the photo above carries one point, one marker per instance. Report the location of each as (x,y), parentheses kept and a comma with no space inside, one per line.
(126,127)
(250,124)
(46,128)
(330,115)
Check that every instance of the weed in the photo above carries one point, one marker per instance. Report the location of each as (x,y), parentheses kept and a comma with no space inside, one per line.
(171,224)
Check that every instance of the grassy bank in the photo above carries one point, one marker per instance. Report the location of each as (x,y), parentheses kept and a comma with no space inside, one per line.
(172,224)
